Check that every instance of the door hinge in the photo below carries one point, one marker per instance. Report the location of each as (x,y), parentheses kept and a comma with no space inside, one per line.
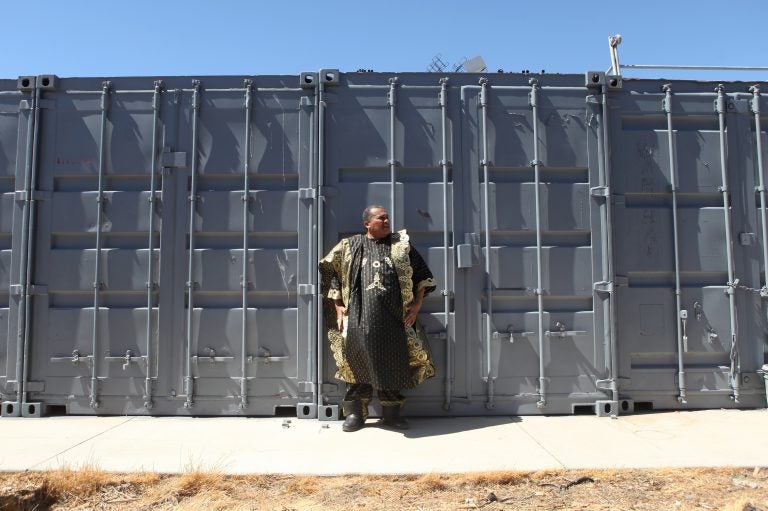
(306,289)
(306,387)
(603,287)
(464,255)
(307,193)
(174,159)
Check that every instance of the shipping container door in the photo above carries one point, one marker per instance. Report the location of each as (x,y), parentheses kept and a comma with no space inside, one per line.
(16,123)
(757,159)
(687,253)
(389,141)
(246,342)
(94,335)
(530,159)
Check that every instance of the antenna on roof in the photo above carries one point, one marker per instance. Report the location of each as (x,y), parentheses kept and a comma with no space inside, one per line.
(438,65)
(473,65)
(613,42)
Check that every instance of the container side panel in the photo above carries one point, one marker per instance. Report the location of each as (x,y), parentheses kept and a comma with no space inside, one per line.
(15,118)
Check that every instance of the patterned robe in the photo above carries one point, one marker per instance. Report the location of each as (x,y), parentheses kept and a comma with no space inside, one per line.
(376,280)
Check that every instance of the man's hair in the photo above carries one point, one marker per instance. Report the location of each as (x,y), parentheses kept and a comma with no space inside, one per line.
(367,211)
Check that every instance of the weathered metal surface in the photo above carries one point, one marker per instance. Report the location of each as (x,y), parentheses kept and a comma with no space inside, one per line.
(596,244)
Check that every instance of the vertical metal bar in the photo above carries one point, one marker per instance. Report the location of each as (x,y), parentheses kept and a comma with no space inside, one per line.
(151,285)
(609,249)
(320,100)
(443,100)
(312,263)
(30,248)
(189,380)
(392,102)
(485,163)
(721,108)
(755,90)
(97,284)
(609,244)
(244,281)
(536,163)
(681,345)
(27,230)
(604,264)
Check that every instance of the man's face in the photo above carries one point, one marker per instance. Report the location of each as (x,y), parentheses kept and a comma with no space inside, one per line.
(377,224)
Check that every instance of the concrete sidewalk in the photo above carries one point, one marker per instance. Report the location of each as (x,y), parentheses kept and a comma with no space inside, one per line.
(467,444)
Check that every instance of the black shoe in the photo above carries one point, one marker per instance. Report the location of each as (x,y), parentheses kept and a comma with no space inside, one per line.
(353,413)
(391,418)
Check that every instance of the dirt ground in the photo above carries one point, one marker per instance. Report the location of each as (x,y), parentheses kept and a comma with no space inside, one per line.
(670,489)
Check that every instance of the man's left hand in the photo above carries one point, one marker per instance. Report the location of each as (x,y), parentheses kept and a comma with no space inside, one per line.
(411,312)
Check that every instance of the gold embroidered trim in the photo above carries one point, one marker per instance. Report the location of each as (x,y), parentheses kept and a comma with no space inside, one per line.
(337,262)
(418,355)
(419,360)
(376,284)
(400,249)
(343,371)
(430,282)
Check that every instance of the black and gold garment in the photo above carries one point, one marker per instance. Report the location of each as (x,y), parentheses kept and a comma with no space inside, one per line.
(376,280)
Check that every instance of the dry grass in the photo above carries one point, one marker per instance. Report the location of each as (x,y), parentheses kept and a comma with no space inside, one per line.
(193,483)
(494,478)
(302,486)
(592,490)
(429,483)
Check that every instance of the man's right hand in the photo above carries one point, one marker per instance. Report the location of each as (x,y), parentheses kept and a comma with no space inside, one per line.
(340,312)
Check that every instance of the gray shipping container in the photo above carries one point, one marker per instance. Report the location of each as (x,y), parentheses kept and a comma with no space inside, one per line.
(599,244)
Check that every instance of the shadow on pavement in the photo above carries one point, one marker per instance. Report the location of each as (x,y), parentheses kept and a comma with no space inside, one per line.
(435,426)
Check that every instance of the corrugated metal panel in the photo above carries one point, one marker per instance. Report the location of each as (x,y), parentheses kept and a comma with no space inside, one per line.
(535,140)
(17,99)
(117,161)
(177,226)
(11,127)
(98,162)
(492,359)
(688,221)
(386,143)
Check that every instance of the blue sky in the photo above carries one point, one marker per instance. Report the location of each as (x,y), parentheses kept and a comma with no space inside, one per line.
(238,37)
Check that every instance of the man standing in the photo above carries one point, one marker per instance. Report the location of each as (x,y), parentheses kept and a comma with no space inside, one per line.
(376,283)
